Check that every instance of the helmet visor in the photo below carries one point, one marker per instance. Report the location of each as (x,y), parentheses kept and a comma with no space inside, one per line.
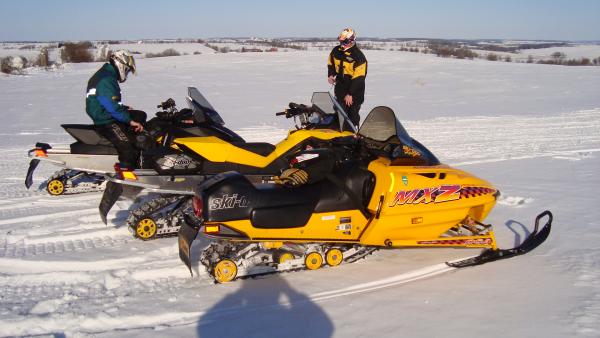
(130,63)
(347,42)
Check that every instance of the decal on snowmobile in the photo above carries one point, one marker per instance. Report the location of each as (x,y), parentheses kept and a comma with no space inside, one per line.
(444,193)
(476,191)
(410,151)
(474,241)
(176,162)
(229,202)
(344,227)
(305,157)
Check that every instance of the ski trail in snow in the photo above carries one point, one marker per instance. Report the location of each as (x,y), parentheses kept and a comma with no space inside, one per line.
(485,139)
(103,323)
(403,278)
(12,266)
(37,218)
(48,201)
(26,247)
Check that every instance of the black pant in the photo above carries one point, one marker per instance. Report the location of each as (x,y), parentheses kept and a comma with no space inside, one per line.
(352,111)
(353,114)
(123,138)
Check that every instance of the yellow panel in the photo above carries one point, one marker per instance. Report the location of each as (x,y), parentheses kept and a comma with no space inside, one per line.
(405,201)
(415,208)
(325,227)
(217,150)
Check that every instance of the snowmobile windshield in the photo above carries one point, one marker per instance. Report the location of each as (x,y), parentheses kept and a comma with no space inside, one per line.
(382,131)
(203,110)
(330,109)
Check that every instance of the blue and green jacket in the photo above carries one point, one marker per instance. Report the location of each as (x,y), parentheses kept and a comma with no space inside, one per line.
(103,98)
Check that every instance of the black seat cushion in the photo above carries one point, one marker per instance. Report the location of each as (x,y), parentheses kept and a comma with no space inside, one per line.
(352,189)
(268,206)
(82,148)
(86,133)
(272,206)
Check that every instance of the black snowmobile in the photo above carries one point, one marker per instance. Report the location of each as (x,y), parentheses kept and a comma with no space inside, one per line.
(190,161)
(92,156)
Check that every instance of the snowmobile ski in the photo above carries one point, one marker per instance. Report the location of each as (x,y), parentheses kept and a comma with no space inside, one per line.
(536,238)
(109,198)
(29,177)
(186,236)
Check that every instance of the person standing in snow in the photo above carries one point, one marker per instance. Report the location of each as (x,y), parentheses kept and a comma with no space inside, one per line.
(112,119)
(347,68)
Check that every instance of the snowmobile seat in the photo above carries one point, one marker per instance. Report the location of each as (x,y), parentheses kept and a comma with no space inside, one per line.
(349,188)
(82,148)
(267,206)
(282,207)
(86,133)
(260,148)
(270,206)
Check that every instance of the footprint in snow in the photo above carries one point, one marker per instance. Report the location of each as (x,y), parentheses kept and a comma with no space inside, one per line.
(514,201)
(578,156)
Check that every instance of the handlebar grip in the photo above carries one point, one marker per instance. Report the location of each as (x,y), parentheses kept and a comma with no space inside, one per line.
(280,113)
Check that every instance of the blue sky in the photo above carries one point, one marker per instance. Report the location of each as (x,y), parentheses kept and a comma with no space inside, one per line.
(109,19)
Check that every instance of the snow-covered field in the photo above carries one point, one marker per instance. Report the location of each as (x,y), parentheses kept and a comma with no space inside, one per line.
(532,130)
(571,52)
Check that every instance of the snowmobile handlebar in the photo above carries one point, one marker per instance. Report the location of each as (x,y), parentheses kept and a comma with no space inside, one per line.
(169,103)
(295,109)
(171,113)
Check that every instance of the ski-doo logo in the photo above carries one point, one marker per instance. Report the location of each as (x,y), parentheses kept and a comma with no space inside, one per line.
(229,202)
(444,193)
(171,162)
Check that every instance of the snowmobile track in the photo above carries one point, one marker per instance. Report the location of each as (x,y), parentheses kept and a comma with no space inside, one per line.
(21,250)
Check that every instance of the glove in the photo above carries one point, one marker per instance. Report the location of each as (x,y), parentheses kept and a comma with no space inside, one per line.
(292,177)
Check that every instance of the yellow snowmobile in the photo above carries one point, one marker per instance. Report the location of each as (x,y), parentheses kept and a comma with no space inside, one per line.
(176,170)
(385,189)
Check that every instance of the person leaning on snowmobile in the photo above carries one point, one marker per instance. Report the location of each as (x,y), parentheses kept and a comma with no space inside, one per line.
(112,119)
(347,68)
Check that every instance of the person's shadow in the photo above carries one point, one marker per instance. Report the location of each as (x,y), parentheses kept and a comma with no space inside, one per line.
(267,307)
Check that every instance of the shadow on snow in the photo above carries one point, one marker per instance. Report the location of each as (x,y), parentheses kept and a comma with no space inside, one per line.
(267,307)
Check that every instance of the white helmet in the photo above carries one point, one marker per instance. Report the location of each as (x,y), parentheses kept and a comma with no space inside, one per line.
(347,38)
(124,62)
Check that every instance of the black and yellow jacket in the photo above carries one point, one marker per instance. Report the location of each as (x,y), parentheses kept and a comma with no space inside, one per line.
(350,69)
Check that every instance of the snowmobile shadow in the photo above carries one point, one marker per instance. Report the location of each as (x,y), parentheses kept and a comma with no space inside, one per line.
(126,206)
(267,307)
(198,247)
(512,225)
(119,219)
(43,186)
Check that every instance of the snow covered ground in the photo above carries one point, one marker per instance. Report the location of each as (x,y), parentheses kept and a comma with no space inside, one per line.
(571,52)
(532,130)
